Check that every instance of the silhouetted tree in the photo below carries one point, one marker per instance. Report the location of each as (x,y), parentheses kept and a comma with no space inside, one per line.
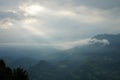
(20,74)
(7,73)
(2,70)
(2,64)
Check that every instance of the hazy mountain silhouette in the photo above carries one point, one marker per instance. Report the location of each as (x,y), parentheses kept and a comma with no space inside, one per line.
(19,56)
(90,62)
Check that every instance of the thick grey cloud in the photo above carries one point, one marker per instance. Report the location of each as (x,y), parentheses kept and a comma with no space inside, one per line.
(10,15)
(104,4)
(5,4)
(101,4)
(56,21)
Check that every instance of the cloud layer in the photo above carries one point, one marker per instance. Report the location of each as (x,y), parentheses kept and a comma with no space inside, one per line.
(57,21)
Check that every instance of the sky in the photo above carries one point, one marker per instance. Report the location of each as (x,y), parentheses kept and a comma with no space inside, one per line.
(57,23)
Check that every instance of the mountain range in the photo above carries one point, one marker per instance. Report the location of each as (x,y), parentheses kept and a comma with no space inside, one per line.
(98,60)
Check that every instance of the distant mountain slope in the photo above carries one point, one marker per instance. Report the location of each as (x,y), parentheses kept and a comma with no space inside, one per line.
(92,49)
(113,39)
(26,51)
(90,62)
(24,56)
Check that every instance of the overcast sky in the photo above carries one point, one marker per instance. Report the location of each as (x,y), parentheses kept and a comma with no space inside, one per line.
(56,22)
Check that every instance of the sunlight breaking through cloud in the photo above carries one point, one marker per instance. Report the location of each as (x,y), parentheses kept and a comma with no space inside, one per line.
(32,9)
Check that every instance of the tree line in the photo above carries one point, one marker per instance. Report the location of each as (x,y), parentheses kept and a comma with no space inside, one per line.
(6,73)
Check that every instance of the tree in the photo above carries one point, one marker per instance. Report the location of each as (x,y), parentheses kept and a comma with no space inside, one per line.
(2,64)
(2,70)
(7,73)
(20,74)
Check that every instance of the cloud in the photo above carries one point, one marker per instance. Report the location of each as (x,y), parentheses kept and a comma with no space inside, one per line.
(6,24)
(8,14)
(65,45)
(81,19)
(57,22)
(83,42)
(95,41)
(31,9)
(103,4)
(82,14)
